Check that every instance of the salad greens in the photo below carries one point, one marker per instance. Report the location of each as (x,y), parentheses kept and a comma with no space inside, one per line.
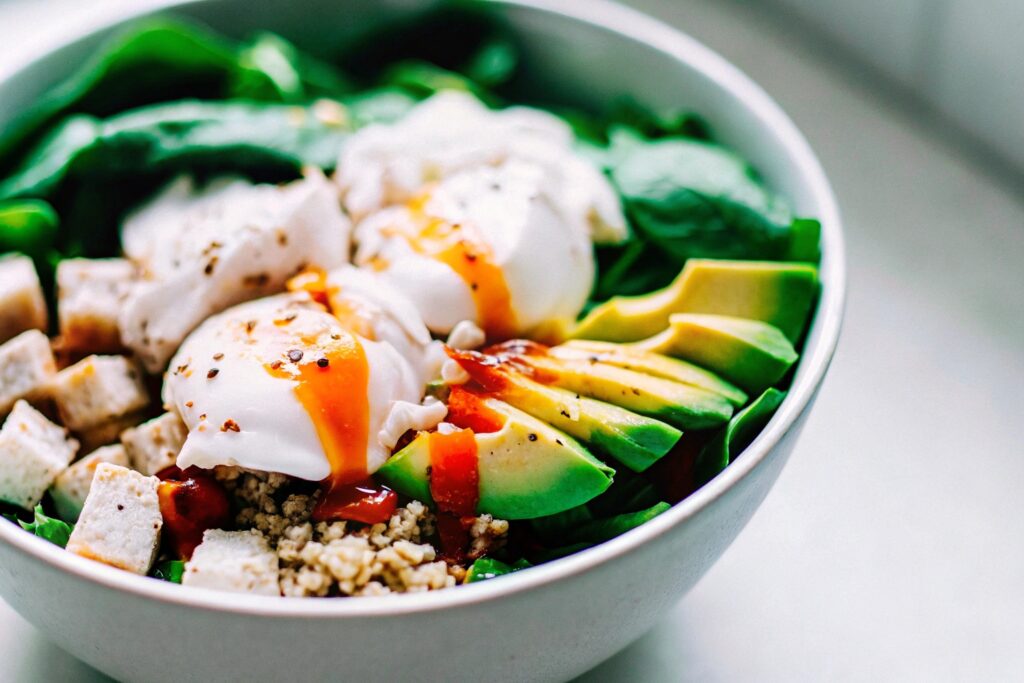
(169,570)
(168,96)
(52,529)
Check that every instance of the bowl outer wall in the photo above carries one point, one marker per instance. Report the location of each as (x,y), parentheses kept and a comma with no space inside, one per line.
(548,623)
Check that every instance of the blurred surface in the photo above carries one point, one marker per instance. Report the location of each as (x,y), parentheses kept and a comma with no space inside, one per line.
(891,547)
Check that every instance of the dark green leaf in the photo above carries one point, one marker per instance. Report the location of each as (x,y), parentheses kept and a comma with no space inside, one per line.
(489,568)
(494,63)
(424,79)
(50,528)
(271,68)
(553,528)
(601,530)
(652,124)
(269,141)
(742,429)
(169,570)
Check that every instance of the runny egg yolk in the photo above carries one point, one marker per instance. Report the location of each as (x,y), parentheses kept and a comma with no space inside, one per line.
(332,386)
(471,258)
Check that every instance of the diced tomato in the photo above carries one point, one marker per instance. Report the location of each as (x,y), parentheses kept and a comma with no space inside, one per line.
(364,501)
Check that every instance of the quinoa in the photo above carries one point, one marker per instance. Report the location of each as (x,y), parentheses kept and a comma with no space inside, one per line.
(336,559)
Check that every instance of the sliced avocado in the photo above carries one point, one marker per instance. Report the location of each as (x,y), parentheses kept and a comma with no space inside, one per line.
(753,354)
(527,468)
(777,293)
(680,405)
(634,440)
(737,435)
(632,358)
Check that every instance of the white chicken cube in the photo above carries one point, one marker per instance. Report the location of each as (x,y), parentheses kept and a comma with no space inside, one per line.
(33,451)
(27,368)
(71,487)
(234,561)
(154,445)
(120,523)
(97,390)
(201,251)
(22,305)
(90,293)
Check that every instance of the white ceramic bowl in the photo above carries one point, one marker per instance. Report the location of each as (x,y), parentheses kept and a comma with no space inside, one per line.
(547,623)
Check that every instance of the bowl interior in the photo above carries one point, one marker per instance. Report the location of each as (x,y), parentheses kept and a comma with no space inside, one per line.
(583,54)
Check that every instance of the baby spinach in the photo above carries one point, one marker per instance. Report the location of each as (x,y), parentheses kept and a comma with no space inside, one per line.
(737,435)
(266,141)
(601,530)
(28,226)
(160,60)
(489,568)
(688,198)
(50,528)
(169,570)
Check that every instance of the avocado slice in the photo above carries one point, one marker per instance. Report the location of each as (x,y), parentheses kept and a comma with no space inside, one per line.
(632,358)
(737,435)
(634,440)
(777,293)
(680,405)
(753,354)
(527,468)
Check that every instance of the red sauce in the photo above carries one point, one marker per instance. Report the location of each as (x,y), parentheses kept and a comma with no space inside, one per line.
(468,409)
(190,502)
(673,474)
(453,532)
(364,502)
(454,472)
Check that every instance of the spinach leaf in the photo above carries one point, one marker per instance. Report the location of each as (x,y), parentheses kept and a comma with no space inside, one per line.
(652,124)
(28,226)
(161,60)
(687,198)
(489,568)
(169,570)
(494,63)
(265,141)
(742,429)
(271,68)
(601,530)
(424,79)
(50,528)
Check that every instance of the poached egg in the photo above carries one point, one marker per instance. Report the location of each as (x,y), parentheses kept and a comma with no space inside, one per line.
(200,250)
(281,385)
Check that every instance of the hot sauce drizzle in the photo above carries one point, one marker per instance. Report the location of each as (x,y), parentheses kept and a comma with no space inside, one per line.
(455,488)
(334,395)
(456,246)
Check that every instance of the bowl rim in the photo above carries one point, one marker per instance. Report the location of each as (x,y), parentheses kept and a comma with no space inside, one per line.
(820,348)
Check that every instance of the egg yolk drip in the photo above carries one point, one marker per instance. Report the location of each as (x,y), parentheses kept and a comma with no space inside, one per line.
(457,247)
(332,385)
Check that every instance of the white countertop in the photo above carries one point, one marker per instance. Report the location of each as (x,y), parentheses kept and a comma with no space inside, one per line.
(892,547)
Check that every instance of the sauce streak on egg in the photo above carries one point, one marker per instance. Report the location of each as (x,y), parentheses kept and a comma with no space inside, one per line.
(335,396)
(472,260)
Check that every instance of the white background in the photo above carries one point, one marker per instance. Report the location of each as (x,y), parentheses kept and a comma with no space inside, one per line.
(893,546)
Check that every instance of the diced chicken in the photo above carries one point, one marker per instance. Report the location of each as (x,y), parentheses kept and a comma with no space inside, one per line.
(154,445)
(90,294)
(97,390)
(201,251)
(235,561)
(26,369)
(22,305)
(120,522)
(33,451)
(71,487)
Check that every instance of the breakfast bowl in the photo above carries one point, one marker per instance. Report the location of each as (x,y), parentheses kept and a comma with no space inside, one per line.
(550,622)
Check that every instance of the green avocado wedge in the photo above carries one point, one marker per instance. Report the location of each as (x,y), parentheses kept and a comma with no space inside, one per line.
(527,468)
(631,358)
(777,293)
(737,435)
(680,405)
(753,354)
